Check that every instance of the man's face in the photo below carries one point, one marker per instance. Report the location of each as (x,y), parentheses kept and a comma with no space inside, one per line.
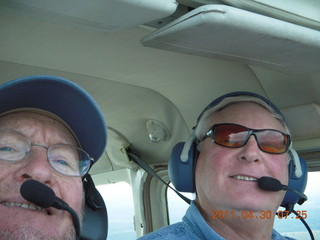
(217,189)
(18,221)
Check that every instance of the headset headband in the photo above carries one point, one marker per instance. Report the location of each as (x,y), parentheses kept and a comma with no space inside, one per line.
(236,94)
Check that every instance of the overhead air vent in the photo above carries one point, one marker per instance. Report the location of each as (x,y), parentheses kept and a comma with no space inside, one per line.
(224,32)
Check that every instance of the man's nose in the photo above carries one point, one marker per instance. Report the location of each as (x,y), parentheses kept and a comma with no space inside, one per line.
(37,166)
(251,151)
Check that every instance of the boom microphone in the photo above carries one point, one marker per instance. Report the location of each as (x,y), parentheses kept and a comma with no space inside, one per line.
(43,196)
(272,184)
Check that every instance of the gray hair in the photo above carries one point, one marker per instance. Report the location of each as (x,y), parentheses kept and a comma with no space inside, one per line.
(203,123)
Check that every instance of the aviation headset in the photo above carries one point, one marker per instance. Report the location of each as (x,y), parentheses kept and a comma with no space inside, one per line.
(95,217)
(184,155)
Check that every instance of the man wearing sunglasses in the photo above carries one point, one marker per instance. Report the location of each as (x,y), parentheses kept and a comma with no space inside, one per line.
(239,138)
(51,131)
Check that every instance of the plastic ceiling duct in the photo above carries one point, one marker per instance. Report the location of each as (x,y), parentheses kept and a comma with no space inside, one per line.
(233,34)
(97,15)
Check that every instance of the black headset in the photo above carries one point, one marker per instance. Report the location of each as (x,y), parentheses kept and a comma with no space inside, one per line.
(184,155)
(95,218)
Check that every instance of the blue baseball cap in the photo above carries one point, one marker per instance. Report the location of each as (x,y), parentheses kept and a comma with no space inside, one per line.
(66,100)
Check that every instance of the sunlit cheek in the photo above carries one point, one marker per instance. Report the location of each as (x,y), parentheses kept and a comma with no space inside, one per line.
(10,170)
(209,169)
(72,192)
(79,199)
(281,167)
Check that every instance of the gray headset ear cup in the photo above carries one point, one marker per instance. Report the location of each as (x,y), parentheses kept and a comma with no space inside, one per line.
(181,172)
(298,183)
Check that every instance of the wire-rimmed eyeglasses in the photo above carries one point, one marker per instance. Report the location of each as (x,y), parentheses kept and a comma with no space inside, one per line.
(66,159)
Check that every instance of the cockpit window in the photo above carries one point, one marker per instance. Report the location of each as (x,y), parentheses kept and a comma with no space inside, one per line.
(119,201)
(176,206)
(291,226)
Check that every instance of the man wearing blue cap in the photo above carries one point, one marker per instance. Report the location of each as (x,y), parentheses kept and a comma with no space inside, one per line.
(51,131)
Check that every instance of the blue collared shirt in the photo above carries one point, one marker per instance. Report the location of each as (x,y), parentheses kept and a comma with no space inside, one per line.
(193,227)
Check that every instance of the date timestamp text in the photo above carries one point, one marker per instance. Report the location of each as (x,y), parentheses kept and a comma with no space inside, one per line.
(257,215)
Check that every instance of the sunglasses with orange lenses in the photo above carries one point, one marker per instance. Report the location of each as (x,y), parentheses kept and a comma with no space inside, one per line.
(235,136)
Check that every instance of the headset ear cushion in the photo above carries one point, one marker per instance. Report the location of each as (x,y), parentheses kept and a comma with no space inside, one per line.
(181,172)
(297,183)
(95,218)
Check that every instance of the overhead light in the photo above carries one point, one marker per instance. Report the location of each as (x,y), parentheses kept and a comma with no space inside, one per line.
(157,131)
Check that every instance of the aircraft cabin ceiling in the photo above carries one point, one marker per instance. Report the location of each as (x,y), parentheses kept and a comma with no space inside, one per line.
(143,86)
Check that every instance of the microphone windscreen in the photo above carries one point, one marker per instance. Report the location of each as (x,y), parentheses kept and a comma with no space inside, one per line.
(270,184)
(37,193)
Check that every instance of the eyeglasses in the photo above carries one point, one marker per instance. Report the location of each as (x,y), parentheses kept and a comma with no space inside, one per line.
(235,136)
(66,159)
